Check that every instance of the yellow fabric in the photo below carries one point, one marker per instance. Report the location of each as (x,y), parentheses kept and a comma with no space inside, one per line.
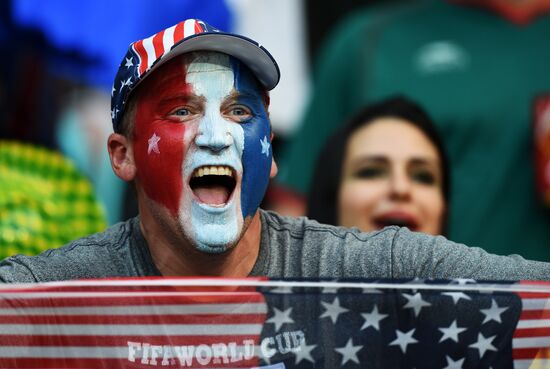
(44,201)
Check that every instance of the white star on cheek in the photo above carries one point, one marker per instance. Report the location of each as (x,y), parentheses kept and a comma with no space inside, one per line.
(153,144)
(265,146)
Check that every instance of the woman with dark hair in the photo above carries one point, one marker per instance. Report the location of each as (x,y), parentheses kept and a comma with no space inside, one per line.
(387,166)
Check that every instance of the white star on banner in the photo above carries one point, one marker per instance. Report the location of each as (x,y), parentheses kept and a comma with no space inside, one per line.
(415,302)
(493,313)
(280,318)
(281,289)
(373,319)
(153,144)
(403,339)
(462,281)
(113,90)
(451,332)
(304,352)
(265,146)
(129,62)
(128,82)
(349,352)
(113,113)
(456,296)
(483,344)
(330,290)
(333,310)
(367,290)
(451,364)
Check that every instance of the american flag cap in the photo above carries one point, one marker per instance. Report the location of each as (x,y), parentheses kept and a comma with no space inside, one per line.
(144,56)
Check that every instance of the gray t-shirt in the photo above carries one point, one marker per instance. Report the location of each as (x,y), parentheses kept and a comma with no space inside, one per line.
(290,248)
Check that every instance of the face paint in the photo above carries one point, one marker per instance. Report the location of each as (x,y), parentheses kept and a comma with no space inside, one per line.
(159,143)
(257,153)
(209,140)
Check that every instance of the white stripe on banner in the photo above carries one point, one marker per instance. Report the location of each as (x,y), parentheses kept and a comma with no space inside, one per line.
(532,364)
(150,50)
(226,309)
(535,304)
(80,352)
(89,352)
(168,39)
(531,342)
(129,330)
(533,323)
(188,28)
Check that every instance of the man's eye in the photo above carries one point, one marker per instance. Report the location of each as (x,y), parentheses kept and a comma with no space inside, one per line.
(238,113)
(182,112)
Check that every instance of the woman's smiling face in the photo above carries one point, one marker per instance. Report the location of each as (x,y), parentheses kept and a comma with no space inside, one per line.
(391,175)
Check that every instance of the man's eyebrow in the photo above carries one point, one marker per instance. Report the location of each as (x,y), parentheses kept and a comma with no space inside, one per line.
(187,97)
(240,94)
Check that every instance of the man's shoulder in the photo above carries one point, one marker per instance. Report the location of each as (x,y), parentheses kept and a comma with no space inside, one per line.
(303,228)
(90,256)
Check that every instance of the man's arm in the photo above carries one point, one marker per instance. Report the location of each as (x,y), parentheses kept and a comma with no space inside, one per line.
(11,271)
(424,256)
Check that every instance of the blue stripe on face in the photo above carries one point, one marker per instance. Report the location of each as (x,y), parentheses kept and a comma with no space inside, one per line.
(257,153)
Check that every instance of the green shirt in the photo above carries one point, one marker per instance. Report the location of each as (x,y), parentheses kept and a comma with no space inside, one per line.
(477,74)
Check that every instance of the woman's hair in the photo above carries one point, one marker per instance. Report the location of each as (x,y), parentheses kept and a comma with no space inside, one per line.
(322,202)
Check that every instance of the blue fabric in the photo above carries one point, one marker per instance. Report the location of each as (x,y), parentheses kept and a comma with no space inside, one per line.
(101,30)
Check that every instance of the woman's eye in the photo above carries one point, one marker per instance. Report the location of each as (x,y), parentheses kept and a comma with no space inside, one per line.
(370,172)
(423,177)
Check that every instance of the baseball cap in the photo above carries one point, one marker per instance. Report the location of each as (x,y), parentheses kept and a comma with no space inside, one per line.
(144,56)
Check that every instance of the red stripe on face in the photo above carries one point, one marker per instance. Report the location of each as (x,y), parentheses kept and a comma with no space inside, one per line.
(140,50)
(159,165)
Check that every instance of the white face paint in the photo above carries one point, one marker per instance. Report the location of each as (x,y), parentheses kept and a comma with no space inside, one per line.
(217,142)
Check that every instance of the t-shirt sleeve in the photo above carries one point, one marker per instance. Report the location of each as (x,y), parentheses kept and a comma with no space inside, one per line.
(12,271)
(425,256)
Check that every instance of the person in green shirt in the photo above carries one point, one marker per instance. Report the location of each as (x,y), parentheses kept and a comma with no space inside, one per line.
(477,73)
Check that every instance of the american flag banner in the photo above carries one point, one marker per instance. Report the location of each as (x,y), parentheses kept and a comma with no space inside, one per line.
(276,324)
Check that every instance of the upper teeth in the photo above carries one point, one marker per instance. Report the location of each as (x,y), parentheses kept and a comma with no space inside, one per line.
(212,170)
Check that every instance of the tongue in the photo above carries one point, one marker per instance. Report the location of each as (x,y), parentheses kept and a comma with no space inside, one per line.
(212,194)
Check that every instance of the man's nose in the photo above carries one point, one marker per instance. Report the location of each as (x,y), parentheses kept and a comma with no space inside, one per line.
(214,134)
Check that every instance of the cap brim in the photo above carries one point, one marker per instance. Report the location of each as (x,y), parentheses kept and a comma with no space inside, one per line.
(255,56)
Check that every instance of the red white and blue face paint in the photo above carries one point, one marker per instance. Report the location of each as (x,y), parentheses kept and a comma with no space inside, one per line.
(202,146)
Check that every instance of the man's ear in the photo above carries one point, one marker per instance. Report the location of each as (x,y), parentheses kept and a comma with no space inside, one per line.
(122,157)
(274,168)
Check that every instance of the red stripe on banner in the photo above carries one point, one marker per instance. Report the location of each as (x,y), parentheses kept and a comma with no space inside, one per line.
(140,50)
(85,363)
(99,340)
(532,332)
(178,32)
(531,353)
(207,319)
(534,314)
(158,44)
(533,295)
(121,300)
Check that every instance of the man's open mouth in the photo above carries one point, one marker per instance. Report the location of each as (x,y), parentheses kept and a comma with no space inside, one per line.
(213,184)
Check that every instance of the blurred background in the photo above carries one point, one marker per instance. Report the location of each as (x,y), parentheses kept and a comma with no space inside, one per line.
(60,56)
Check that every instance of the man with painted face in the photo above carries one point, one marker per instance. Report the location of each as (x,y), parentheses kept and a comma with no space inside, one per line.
(192,132)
